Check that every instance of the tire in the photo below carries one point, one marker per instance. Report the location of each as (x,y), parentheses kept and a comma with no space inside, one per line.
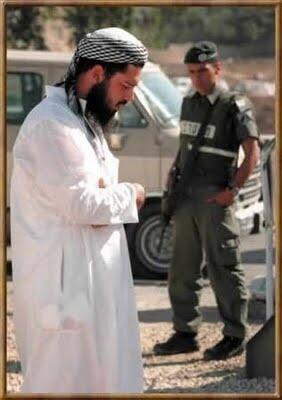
(143,239)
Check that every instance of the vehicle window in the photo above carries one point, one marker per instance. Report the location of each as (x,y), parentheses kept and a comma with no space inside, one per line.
(130,117)
(158,108)
(163,89)
(24,91)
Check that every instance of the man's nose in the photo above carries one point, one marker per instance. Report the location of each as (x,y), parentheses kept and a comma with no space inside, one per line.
(129,96)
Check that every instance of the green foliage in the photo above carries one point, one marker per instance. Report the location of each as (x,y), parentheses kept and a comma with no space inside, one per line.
(24,28)
(84,19)
(156,26)
(226,25)
(147,25)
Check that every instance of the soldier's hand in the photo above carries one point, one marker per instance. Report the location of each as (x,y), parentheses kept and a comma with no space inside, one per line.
(224,198)
(168,180)
(140,195)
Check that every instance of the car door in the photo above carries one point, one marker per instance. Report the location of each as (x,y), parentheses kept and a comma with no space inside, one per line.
(134,141)
(24,91)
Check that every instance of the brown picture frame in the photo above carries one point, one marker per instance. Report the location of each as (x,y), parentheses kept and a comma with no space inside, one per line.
(278,127)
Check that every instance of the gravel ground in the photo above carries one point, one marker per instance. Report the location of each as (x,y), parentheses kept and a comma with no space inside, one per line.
(188,373)
(183,373)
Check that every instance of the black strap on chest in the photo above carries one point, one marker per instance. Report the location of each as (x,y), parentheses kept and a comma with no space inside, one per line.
(192,155)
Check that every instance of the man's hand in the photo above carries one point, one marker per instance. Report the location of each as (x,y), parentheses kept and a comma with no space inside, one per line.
(224,198)
(102,185)
(140,195)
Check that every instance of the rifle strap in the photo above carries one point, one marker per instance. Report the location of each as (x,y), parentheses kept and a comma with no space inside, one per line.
(192,155)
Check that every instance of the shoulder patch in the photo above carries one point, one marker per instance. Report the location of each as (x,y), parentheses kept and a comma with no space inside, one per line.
(242,103)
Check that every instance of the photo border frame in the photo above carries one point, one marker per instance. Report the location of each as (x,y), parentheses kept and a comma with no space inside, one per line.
(4,4)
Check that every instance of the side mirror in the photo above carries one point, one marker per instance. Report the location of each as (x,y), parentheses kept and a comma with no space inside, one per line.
(112,125)
(116,141)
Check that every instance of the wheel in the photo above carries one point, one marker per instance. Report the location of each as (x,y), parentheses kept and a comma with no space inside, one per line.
(144,238)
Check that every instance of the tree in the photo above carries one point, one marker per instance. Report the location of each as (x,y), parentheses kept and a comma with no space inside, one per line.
(147,25)
(84,19)
(24,28)
(156,26)
(225,25)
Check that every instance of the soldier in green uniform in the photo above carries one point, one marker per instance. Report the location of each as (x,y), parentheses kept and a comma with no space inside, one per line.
(205,223)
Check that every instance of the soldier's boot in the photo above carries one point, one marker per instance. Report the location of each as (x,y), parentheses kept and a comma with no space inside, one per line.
(227,347)
(179,342)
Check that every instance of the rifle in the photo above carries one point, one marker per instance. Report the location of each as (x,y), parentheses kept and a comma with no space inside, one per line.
(168,200)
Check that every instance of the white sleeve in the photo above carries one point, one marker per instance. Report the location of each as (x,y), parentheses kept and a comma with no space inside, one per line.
(61,163)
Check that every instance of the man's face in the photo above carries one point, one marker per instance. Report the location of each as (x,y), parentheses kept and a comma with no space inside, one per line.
(203,76)
(107,97)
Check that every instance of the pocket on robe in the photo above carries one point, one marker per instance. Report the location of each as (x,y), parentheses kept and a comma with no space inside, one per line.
(74,314)
(64,361)
(61,301)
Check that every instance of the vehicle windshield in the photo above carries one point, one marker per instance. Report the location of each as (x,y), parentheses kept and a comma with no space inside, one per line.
(163,97)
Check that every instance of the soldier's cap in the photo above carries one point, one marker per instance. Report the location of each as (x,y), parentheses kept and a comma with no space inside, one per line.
(203,51)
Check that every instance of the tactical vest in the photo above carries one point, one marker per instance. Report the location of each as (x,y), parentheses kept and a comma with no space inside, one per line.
(217,158)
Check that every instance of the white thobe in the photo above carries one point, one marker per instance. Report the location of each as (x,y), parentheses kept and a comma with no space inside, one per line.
(74,308)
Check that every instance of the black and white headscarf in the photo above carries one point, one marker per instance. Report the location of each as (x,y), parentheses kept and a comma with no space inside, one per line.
(113,45)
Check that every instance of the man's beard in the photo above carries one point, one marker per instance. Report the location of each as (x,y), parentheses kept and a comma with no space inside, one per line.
(97,105)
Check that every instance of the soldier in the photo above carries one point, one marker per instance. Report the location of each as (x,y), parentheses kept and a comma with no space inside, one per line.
(205,222)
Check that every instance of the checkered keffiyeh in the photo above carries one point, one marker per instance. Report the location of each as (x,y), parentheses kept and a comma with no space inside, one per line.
(113,45)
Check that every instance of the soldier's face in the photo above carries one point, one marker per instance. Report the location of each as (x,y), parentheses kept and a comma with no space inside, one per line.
(203,76)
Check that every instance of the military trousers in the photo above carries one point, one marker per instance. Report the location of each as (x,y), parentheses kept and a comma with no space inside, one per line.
(210,230)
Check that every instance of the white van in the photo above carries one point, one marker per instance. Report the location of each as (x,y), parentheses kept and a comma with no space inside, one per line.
(145,140)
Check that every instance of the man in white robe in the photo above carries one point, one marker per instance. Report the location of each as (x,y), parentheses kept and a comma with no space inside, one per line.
(74,309)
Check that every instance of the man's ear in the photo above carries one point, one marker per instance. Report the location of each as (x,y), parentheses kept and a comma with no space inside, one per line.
(98,73)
